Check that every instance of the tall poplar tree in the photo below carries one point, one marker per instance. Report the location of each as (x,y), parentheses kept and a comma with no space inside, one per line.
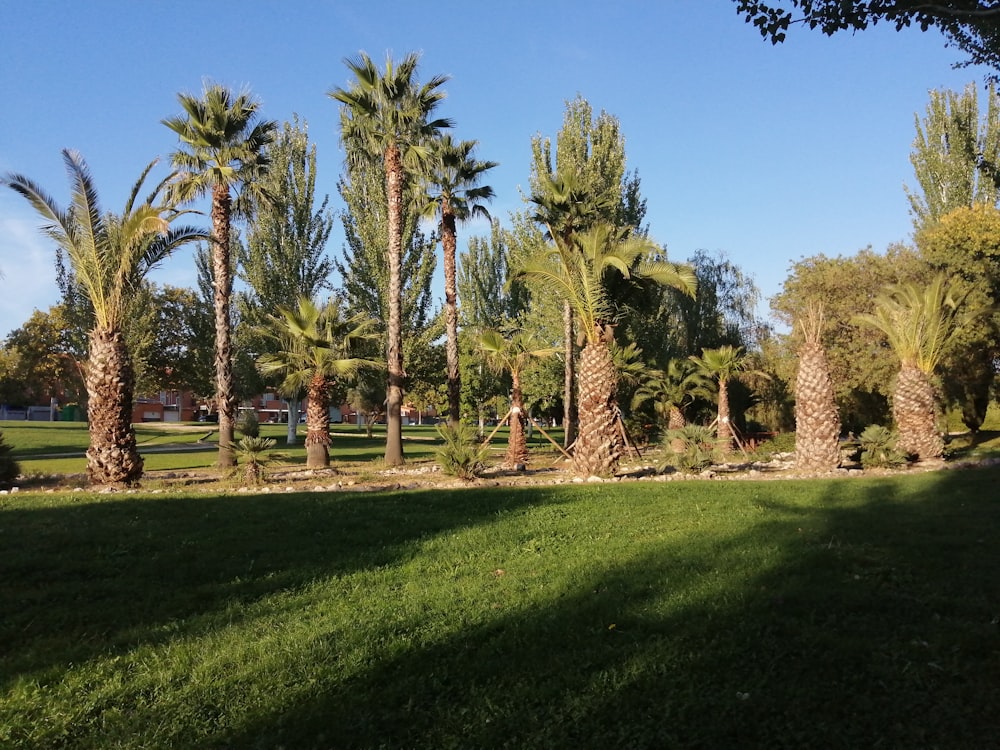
(955,155)
(284,258)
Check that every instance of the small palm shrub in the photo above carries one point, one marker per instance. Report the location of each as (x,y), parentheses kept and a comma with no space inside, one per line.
(879,448)
(462,455)
(248,424)
(698,448)
(9,468)
(254,453)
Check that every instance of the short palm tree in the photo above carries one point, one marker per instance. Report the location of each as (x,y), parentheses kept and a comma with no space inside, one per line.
(512,354)
(316,347)
(454,194)
(722,365)
(223,149)
(386,118)
(817,422)
(110,255)
(918,321)
(672,389)
(578,274)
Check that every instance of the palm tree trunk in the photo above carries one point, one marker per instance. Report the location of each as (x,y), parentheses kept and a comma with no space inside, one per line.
(569,385)
(675,421)
(517,447)
(724,430)
(449,243)
(222,273)
(394,332)
(318,424)
(598,443)
(914,409)
(112,457)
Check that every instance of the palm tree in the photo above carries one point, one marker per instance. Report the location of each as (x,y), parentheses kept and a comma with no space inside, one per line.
(918,321)
(453,175)
(315,348)
(223,148)
(513,355)
(817,423)
(670,391)
(385,118)
(722,365)
(578,274)
(566,209)
(110,255)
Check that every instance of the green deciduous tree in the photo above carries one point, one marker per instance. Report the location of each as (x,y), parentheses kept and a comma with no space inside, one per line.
(285,253)
(972,26)
(223,148)
(110,255)
(955,155)
(386,119)
(965,245)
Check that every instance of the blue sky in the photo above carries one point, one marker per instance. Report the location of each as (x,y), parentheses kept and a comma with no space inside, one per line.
(766,153)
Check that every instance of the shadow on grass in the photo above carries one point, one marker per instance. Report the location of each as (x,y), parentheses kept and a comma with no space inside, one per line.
(869,619)
(870,623)
(109,571)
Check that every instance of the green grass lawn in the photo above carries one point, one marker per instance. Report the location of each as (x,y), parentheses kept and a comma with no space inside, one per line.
(832,613)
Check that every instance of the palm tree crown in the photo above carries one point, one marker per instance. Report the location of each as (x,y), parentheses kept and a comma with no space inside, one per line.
(224,145)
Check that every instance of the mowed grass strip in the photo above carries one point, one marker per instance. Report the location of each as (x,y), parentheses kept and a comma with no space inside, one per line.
(834,613)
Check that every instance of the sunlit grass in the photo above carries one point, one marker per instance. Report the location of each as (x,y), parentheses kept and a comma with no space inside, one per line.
(839,613)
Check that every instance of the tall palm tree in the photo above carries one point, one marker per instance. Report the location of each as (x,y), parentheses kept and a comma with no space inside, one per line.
(722,365)
(918,321)
(315,348)
(223,149)
(110,255)
(454,194)
(512,355)
(579,275)
(672,389)
(565,208)
(386,117)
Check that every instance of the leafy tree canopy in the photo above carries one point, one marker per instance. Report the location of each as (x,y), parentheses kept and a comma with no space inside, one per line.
(972,26)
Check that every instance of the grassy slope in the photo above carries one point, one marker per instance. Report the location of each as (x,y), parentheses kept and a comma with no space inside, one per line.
(841,613)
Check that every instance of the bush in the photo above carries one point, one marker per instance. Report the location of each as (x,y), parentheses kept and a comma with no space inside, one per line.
(879,448)
(9,468)
(254,453)
(698,448)
(248,424)
(462,455)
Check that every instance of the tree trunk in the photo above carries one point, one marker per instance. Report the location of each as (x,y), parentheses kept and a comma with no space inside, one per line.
(223,281)
(675,421)
(112,457)
(394,332)
(598,443)
(914,409)
(449,242)
(817,423)
(724,430)
(318,424)
(517,447)
(569,378)
(293,418)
